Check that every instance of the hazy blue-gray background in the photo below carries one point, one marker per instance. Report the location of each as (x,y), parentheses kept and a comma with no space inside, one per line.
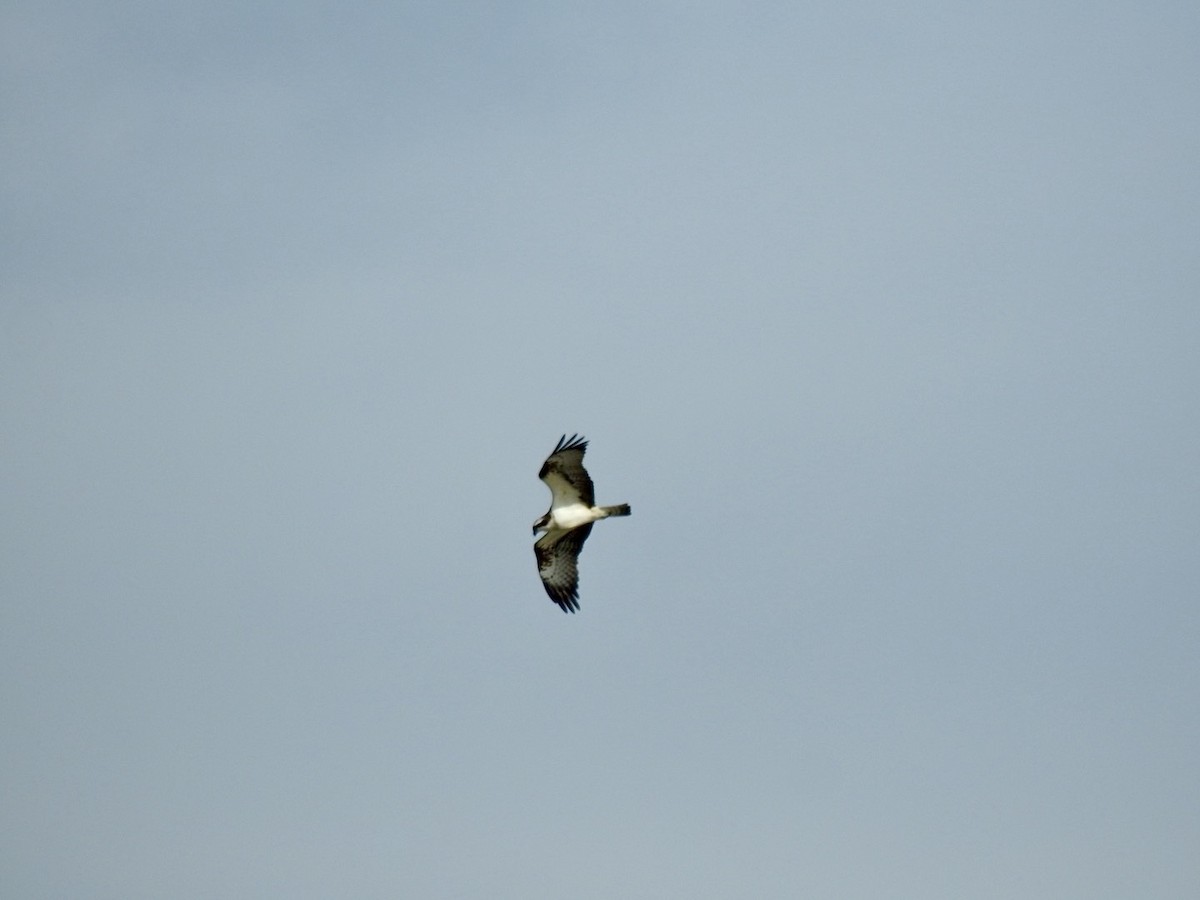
(886,321)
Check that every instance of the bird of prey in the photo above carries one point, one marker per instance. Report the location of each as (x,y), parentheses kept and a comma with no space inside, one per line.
(568,522)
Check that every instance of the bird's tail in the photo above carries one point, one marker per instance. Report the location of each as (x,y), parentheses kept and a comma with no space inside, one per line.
(622,510)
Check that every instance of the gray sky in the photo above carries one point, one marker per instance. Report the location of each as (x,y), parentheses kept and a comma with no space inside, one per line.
(885,321)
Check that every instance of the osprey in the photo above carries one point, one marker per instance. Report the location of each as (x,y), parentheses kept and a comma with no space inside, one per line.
(568,522)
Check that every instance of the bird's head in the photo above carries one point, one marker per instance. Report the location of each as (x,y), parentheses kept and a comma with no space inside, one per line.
(541,524)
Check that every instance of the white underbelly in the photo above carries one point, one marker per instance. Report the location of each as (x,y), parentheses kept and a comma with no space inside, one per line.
(572,516)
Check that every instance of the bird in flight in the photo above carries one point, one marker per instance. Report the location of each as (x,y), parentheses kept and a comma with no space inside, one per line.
(568,522)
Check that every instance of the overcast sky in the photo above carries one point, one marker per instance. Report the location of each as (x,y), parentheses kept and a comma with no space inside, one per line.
(884,319)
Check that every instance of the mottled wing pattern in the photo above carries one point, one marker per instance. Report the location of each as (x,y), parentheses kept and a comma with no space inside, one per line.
(565,475)
(558,565)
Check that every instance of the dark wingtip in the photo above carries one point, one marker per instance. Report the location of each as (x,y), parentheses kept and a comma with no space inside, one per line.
(570,443)
(566,604)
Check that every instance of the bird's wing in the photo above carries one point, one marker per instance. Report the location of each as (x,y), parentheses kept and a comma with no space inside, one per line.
(565,475)
(557,558)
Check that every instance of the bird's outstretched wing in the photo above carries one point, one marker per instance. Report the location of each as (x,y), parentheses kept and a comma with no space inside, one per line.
(558,564)
(565,475)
